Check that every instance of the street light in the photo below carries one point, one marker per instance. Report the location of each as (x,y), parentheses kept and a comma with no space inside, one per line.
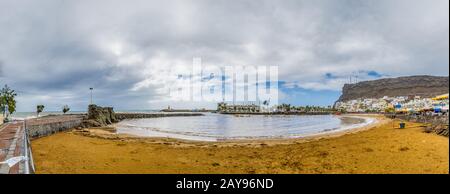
(91,93)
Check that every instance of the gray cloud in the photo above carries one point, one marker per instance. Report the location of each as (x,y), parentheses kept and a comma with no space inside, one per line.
(53,51)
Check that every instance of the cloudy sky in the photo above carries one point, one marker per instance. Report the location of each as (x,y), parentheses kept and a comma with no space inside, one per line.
(51,52)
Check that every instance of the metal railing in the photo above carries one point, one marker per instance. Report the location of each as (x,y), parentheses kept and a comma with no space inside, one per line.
(28,162)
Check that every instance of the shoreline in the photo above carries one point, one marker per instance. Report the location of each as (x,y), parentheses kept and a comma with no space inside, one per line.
(374,119)
(350,151)
(108,132)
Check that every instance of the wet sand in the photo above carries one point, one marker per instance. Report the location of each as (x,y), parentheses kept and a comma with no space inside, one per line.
(378,148)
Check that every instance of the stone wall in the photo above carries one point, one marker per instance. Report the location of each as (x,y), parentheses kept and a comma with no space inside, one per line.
(45,126)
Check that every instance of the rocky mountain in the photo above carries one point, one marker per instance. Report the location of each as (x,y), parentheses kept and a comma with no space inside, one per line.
(424,86)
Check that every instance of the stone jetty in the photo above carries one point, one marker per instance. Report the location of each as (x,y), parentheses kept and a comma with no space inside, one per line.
(102,116)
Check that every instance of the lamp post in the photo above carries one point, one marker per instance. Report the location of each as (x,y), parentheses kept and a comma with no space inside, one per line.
(91,93)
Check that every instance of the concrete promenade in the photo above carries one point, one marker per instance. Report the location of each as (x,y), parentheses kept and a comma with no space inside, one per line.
(12,145)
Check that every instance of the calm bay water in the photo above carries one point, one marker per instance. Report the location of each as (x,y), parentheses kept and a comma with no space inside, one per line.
(216,127)
(29,115)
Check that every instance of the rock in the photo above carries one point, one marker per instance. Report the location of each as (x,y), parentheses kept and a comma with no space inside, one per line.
(102,115)
(90,123)
(428,129)
(441,130)
(438,128)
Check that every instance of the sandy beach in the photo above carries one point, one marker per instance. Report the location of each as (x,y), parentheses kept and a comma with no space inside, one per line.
(377,148)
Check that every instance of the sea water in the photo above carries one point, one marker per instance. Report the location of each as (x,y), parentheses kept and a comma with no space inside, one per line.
(217,127)
(30,115)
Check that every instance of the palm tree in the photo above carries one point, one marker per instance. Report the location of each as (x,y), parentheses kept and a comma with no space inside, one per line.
(7,100)
(65,109)
(39,109)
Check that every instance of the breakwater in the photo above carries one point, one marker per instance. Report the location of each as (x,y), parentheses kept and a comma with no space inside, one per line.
(96,117)
(123,116)
(44,126)
(102,116)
